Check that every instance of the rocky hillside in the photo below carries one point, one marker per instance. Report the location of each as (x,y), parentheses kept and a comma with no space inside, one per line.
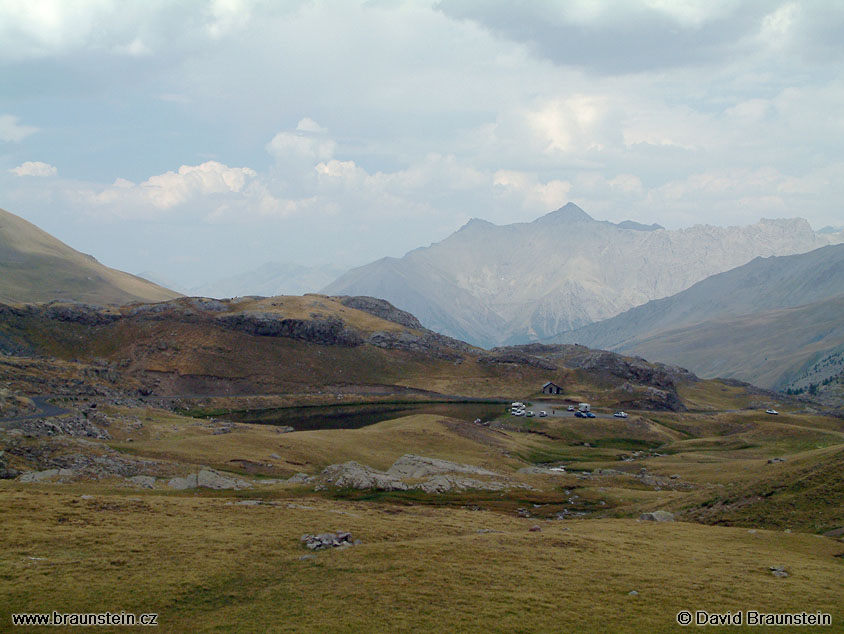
(493,285)
(36,267)
(312,345)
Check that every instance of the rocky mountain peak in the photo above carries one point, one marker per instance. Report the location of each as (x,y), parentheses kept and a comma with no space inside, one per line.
(568,213)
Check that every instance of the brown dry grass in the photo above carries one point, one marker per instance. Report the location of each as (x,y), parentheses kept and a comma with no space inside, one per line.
(207,565)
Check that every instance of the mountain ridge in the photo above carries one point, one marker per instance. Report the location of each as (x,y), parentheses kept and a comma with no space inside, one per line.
(508,284)
(37,267)
(784,307)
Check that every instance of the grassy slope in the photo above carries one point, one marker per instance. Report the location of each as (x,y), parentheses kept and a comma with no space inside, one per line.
(207,565)
(35,267)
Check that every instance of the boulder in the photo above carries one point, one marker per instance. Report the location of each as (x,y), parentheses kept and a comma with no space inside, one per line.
(210,479)
(145,482)
(39,476)
(188,482)
(657,516)
(328,540)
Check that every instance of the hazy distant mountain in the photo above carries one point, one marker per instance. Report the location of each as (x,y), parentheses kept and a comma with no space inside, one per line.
(790,347)
(761,285)
(36,267)
(493,285)
(768,322)
(273,278)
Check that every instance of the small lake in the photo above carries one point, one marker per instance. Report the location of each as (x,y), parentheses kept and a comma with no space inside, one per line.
(362,414)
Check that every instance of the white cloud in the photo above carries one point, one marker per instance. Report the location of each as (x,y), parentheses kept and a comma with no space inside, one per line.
(570,123)
(309,125)
(11,130)
(34,168)
(171,189)
(533,195)
(301,146)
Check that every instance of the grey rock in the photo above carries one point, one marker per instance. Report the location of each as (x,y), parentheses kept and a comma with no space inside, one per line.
(354,475)
(145,482)
(324,541)
(299,478)
(447,483)
(413,466)
(188,482)
(210,479)
(38,476)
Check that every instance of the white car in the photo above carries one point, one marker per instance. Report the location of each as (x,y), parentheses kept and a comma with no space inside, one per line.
(518,412)
(771,411)
(571,408)
(543,414)
(620,414)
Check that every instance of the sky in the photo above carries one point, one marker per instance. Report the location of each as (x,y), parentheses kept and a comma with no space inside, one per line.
(200,139)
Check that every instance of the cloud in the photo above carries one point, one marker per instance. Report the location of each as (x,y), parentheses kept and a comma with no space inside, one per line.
(34,168)
(165,191)
(309,125)
(300,145)
(617,37)
(11,130)
(530,192)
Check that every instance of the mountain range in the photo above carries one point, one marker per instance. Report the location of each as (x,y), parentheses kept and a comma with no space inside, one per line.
(499,285)
(36,267)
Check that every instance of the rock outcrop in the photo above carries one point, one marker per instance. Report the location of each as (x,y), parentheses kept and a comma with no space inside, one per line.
(413,466)
(353,475)
(208,479)
(442,476)
(657,516)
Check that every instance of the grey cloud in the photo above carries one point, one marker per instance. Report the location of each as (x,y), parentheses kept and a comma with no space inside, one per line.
(635,38)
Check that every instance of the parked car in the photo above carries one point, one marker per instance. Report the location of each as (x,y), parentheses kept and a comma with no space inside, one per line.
(530,414)
(580,414)
(620,414)
(519,412)
(543,414)
(589,414)
(772,411)
(571,408)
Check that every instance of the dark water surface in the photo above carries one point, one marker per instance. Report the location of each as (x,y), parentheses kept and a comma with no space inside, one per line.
(363,414)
